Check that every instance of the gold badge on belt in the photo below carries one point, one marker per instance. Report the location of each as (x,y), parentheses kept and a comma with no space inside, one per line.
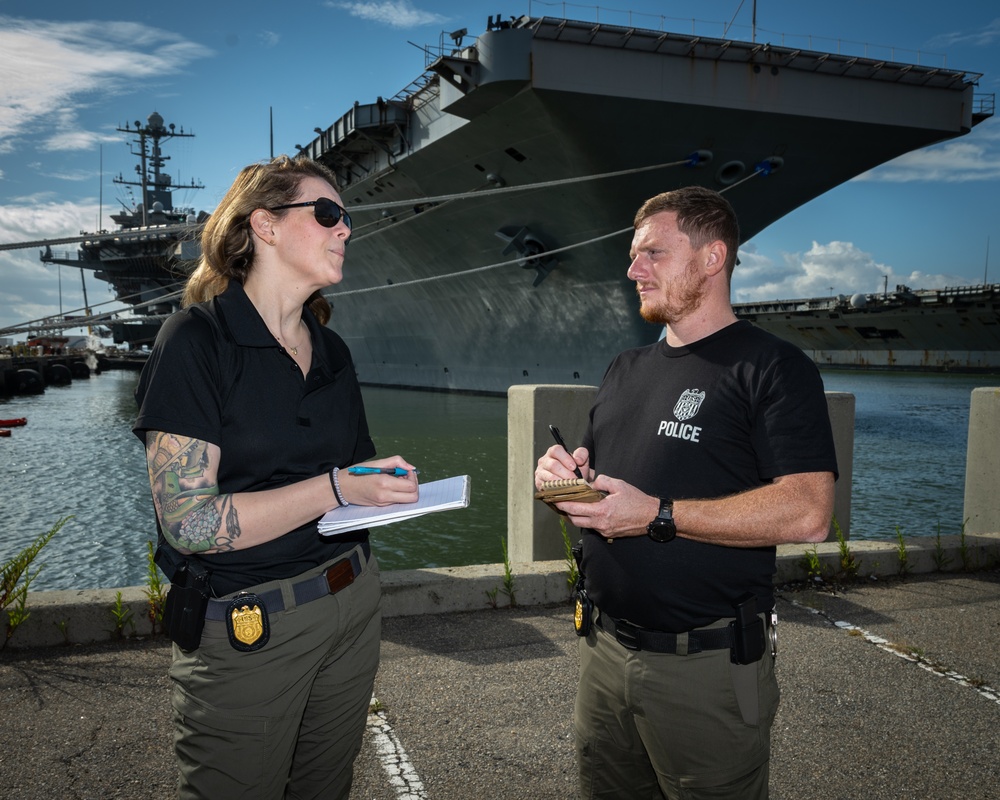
(247,623)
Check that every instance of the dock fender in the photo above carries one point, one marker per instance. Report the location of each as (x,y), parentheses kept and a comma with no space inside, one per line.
(29,381)
(57,375)
(79,369)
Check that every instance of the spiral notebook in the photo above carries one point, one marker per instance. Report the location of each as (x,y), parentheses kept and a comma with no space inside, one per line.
(442,495)
(575,489)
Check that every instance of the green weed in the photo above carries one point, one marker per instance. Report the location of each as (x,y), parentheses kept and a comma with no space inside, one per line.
(940,556)
(849,565)
(16,577)
(508,576)
(508,581)
(968,563)
(156,589)
(811,564)
(904,566)
(122,616)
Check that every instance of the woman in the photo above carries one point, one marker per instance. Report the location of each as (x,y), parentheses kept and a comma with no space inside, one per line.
(251,413)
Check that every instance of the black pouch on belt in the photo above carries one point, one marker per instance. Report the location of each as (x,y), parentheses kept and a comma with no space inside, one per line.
(184,610)
(584,607)
(748,632)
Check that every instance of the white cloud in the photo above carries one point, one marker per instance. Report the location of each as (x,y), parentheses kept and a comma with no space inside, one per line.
(50,67)
(983,37)
(31,289)
(269,38)
(79,140)
(954,162)
(45,220)
(825,270)
(395,13)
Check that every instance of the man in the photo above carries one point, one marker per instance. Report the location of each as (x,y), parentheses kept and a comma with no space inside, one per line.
(713,445)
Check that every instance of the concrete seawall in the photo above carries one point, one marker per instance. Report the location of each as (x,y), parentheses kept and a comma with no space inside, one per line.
(88,615)
(535,543)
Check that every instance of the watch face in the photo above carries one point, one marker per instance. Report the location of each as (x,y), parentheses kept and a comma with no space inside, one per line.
(661,530)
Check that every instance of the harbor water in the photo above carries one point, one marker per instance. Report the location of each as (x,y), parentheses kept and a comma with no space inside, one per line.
(77,458)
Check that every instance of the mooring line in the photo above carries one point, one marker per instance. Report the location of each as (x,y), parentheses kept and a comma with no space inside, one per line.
(402,776)
(882,643)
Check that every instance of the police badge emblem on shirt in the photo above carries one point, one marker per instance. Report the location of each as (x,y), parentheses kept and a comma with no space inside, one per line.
(247,623)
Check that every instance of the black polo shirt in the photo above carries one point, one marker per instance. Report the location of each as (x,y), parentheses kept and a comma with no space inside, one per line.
(217,374)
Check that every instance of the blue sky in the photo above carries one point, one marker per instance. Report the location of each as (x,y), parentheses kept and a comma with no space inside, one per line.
(71,72)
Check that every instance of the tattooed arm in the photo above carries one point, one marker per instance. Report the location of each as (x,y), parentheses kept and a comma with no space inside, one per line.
(196,518)
(183,478)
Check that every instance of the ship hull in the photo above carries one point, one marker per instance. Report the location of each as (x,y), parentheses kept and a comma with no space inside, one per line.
(544,104)
(946,330)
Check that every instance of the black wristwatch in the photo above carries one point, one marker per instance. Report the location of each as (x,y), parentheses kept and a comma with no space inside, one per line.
(663,529)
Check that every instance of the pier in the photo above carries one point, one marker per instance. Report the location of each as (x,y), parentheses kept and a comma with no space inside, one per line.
(33,373)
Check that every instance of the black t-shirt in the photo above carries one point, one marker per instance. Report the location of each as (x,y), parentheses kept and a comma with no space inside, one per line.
(217,374)
(728,413)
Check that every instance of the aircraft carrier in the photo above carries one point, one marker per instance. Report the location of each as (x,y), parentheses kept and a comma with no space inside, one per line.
(953,329)
(493,197)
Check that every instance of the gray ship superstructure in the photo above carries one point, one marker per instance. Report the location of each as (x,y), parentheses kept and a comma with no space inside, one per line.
(493,198)
(943,330)
(147,259)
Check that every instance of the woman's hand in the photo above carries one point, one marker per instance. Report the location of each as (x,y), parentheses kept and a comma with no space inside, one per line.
(380,490)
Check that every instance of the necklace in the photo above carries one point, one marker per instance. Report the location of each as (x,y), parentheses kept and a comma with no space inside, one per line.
(293,350)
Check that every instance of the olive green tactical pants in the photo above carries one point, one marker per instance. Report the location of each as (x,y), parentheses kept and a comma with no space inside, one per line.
(656,725)
(285,721)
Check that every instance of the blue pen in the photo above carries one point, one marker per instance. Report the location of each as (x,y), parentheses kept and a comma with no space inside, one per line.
(381,471)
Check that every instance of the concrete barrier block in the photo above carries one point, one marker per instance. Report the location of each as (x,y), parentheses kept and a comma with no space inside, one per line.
(533,530)
(840,406)
(982,466)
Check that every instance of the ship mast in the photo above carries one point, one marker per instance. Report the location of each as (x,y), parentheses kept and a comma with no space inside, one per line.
(155,185)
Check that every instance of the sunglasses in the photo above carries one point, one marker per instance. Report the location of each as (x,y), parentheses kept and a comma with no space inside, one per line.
(327,212)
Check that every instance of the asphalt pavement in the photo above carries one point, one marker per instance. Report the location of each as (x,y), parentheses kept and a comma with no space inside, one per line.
(889,690)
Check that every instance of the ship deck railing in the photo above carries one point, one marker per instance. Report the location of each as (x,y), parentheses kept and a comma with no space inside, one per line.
(687,27)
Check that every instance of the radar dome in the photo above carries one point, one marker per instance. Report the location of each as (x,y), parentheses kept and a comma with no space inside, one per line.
(858,300)
(155,121)
(157,207)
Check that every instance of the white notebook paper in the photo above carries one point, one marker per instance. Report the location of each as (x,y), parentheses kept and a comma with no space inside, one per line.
(442,495)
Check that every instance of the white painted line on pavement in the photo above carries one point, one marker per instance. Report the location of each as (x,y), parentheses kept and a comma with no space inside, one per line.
(907,655)
(402,776)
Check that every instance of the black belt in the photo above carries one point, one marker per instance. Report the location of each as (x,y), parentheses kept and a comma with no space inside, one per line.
(339,575)
(635,638)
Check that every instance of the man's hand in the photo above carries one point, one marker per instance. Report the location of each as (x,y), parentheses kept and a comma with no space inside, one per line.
(626,511)
(558,465)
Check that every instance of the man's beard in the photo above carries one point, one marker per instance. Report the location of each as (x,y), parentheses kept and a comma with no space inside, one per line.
(683,298)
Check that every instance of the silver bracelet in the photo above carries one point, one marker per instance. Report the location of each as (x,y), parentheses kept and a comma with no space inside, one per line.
(335,481)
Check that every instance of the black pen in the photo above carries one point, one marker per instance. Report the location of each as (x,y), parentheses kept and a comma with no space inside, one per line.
(561,443)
